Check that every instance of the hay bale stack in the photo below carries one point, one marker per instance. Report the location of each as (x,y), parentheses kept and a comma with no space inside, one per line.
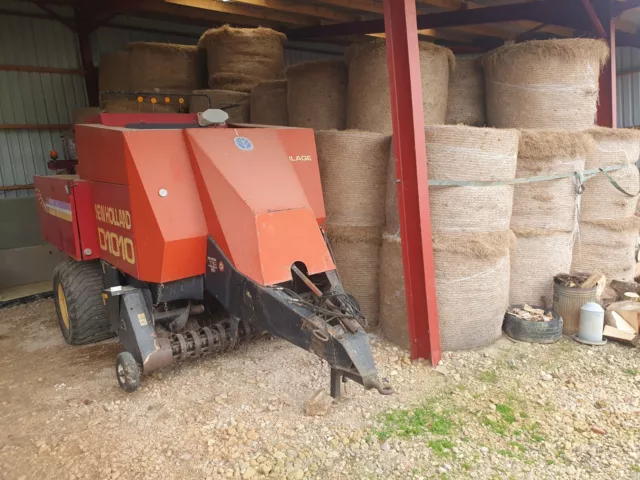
(465,102)
(236,104)
(551,204)
(356,250)
(368,96)
(600,200)
(113,74)
(317,95)
(545,214)
(472,288)
(471,237)
(269,103)
(545,84)
(457,152)
(537,256)
(133,106)
(608,247)
(162,66)
(240,58)
(353,166)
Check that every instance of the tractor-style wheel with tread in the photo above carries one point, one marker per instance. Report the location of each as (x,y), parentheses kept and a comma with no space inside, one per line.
(128,372)
(77,291)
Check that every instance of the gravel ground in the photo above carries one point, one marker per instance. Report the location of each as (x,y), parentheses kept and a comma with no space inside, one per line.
(510,411)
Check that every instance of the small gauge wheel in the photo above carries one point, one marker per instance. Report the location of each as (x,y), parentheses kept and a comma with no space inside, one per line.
(128,372)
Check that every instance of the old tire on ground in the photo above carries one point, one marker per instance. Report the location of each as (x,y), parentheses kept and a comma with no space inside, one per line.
(533,332)
(127,372)
(77,292)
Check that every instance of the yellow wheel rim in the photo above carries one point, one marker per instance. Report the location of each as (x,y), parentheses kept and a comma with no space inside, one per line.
(62,303)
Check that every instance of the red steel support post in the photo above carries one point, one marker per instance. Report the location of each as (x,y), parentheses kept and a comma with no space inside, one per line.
(412,180)
(607,115)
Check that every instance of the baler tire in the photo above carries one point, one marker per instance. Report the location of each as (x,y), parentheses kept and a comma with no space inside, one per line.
(77,292)
(533,332)
(128,372)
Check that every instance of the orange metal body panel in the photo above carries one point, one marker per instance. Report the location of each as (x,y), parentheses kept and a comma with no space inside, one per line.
(170,231)
(262,205)
(254,198)
(300,147)
(128,168)
(102,153)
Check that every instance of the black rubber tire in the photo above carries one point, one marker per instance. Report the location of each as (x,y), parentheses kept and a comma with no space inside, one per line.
(533,332)
(127,372)
(81,284)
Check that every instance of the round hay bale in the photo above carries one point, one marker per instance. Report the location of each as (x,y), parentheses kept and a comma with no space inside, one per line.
(113,74)
(456,152)
(465,102)
(545,84)
(368,96)
(236,104)
(357,255)
(162,65)
(317,95)
(472,288)
(392,215)
(240,58)
(608,247)
(269,103)
(536,257)
(551,204)
(133,106)
(393,301)
(353,165)
(459,152)
(600,199)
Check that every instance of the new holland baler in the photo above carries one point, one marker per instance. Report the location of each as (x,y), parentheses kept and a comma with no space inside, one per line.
(187,236)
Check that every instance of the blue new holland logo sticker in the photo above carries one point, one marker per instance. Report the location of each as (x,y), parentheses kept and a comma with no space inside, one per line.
(243,143)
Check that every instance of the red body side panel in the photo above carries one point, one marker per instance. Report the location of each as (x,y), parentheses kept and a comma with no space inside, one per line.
(58,217)
(86,219)
(114,224)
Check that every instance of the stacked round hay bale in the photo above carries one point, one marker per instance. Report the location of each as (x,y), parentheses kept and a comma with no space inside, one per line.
(113,73)
(465,102)
(544,84)
(608,226)
(236,104)
(352,169)
(317,95)
(240,58)
(368,95)
(269,103)
(545,213)
(162,66)
(471,237)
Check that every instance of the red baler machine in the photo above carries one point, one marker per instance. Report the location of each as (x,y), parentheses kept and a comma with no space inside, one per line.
(187,237)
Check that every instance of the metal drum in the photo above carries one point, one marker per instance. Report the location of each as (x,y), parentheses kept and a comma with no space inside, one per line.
(567,302)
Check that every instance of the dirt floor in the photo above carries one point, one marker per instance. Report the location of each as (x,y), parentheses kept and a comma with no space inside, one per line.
(511,411)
